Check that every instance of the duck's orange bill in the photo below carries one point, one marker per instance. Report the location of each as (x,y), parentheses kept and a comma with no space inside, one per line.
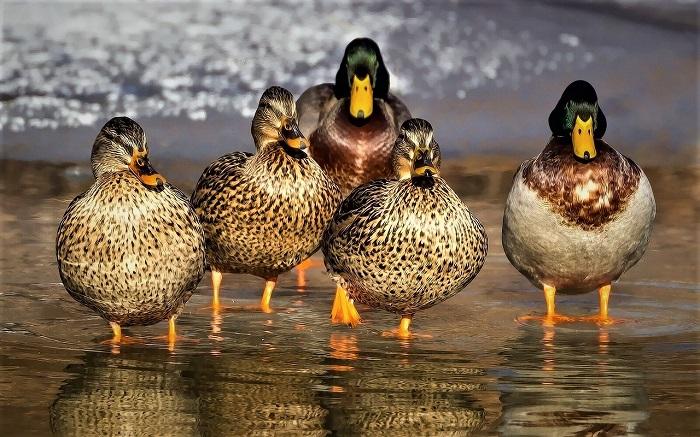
(142,169)
(292,135)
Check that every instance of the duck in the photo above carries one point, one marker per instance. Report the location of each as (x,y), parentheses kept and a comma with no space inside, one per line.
(264,213)
(131,247)
(352,123)
(406,243)
(579,214)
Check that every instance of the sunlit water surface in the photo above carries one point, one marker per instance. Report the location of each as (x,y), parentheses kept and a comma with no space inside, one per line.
(242,372)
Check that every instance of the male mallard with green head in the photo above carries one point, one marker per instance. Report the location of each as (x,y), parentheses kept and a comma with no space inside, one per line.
(403,244)
(580,213)
(352,124)
(131,247)
(264,213)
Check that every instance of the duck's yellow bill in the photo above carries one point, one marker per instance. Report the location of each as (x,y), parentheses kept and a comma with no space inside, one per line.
(142,169)
(582,138)
(361,97)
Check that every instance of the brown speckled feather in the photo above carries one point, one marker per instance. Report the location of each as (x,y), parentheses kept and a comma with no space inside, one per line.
(587,195)
(132,254)
(263,214)
(404,245)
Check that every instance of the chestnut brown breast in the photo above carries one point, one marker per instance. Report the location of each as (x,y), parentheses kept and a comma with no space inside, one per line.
(587,195)
(355,152)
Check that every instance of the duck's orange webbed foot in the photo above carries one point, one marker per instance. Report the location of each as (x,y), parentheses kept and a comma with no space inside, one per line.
(118,339)
(403,332)
(172,338)
(547,319)
(602,318)
(551,318)
(344,310)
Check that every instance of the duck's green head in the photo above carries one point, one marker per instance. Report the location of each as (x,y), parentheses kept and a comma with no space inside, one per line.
(416,153)
(122,145)
(579,116)
(362,77)
(276,122)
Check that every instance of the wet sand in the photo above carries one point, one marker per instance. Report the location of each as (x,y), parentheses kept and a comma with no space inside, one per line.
(239,372)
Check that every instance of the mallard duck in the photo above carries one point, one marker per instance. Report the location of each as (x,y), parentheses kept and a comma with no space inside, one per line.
(352,124)
(403,244)
(131,247)
(264,213)
(580,213)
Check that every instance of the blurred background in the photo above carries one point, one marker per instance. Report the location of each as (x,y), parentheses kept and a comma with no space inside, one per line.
(486,75)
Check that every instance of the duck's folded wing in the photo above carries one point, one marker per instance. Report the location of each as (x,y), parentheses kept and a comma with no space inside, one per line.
(363,202)
(400,110)
(219,174)
(312,106)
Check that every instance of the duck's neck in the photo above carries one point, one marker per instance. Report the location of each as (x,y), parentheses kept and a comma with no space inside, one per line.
(278,158)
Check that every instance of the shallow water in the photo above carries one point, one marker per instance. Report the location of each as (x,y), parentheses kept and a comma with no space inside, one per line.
(239,372)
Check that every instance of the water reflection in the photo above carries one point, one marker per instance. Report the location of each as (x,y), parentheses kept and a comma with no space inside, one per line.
(259,393)
(133,393)
(572,382)
(399,392)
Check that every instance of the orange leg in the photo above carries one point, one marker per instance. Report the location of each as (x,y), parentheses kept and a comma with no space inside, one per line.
(552,317)
(267,294)
(603,318)
(404,324)
(344,310)
(171,334)
(117,331)
(403,331)
(216,277)
(301,269)
(118,339)
(604,295)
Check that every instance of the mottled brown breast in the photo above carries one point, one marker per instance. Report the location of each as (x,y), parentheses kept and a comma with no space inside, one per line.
(587,195)
(355,153)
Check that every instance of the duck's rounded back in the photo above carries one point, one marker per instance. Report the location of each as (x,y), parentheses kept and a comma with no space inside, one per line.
(264,213)
(406,243)
(131,248)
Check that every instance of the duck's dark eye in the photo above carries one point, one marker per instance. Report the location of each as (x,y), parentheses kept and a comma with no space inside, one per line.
(139,162)
(589,131)
(579,131)
(287,126)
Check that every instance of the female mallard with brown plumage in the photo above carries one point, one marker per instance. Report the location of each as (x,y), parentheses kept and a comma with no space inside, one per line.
(264,213)
(403,244)
(131,247)
(352,124)
(580,213)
